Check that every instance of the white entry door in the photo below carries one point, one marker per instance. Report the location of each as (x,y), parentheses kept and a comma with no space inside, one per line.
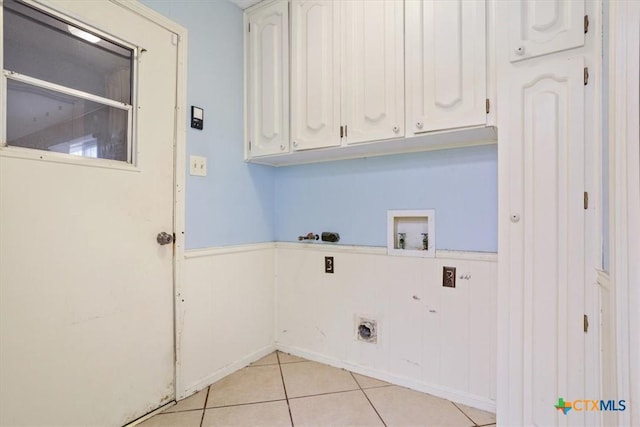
(86,184)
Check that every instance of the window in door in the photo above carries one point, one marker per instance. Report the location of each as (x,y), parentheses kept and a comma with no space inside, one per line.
(69,89)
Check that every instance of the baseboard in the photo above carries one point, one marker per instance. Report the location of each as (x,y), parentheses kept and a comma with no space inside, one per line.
(443,392)
(227,370)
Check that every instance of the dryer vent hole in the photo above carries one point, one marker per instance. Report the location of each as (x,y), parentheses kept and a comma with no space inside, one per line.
(367,331)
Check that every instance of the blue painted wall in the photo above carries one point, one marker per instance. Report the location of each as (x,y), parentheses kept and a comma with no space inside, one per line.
(234,203)
(352,197)
(239,203)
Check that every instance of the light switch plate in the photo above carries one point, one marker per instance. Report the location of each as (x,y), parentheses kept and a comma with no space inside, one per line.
(197,166)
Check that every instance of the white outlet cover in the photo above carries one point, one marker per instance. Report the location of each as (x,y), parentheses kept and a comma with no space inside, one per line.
(197,166)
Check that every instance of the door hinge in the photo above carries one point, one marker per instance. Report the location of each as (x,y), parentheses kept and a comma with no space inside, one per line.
(586,24)
(249,145)
(249,25)
(341,131)
(487,105)
(586,75)
(174,39)
(586,200)
(585,323)
(345,131)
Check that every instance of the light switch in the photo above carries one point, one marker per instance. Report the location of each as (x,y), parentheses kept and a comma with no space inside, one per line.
(197,166)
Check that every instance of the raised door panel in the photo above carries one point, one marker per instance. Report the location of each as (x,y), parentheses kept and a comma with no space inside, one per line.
(315,74)
(372,70)
(446,64)
(539,27)
(268,79)
(546,184)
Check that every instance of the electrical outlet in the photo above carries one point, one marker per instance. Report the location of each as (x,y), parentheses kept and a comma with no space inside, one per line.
(197,166)
(328,264)
(449,277)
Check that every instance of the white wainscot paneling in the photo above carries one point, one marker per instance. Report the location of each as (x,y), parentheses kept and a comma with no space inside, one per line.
(227,304)
(434,339)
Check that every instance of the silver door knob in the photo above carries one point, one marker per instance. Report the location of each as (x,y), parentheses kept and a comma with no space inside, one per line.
(419,125)
(515,217)
(164,238)
(396,129)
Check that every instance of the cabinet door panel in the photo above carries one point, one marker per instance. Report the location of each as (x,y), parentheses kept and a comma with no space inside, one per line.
(315,74)
(547,281)
(446,64)
(372,70)
(268,80)
(539,27)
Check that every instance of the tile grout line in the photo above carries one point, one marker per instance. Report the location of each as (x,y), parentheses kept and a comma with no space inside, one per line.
(284,386)
(380,386)
(323,394)
(181,411)
(204,409)
(242,404)
(368,400)
(464,413)
(273,364)
(276,400)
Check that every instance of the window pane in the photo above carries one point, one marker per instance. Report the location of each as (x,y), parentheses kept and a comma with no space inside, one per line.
(40,46)
(43,119)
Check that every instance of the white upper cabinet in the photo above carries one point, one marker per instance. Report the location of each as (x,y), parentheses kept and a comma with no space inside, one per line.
(539,27)
(446,64)
(315,74)
(366,77)
(372,70)
(267,65)
(347,78)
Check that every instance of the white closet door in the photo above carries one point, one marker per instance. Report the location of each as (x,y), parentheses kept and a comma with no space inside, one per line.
(372,70)
(315,74)
(268,79)
(547,282)
(446,64)
(539,27)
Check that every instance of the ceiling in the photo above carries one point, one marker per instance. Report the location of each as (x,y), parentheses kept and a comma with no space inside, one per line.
(243,4)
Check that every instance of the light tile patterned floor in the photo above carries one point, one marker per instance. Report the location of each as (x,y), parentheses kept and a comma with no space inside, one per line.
(285,390)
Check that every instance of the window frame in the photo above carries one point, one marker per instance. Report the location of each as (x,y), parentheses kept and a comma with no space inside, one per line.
(132,146)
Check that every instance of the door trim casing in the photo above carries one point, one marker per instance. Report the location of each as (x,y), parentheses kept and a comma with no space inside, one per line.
(624,202)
